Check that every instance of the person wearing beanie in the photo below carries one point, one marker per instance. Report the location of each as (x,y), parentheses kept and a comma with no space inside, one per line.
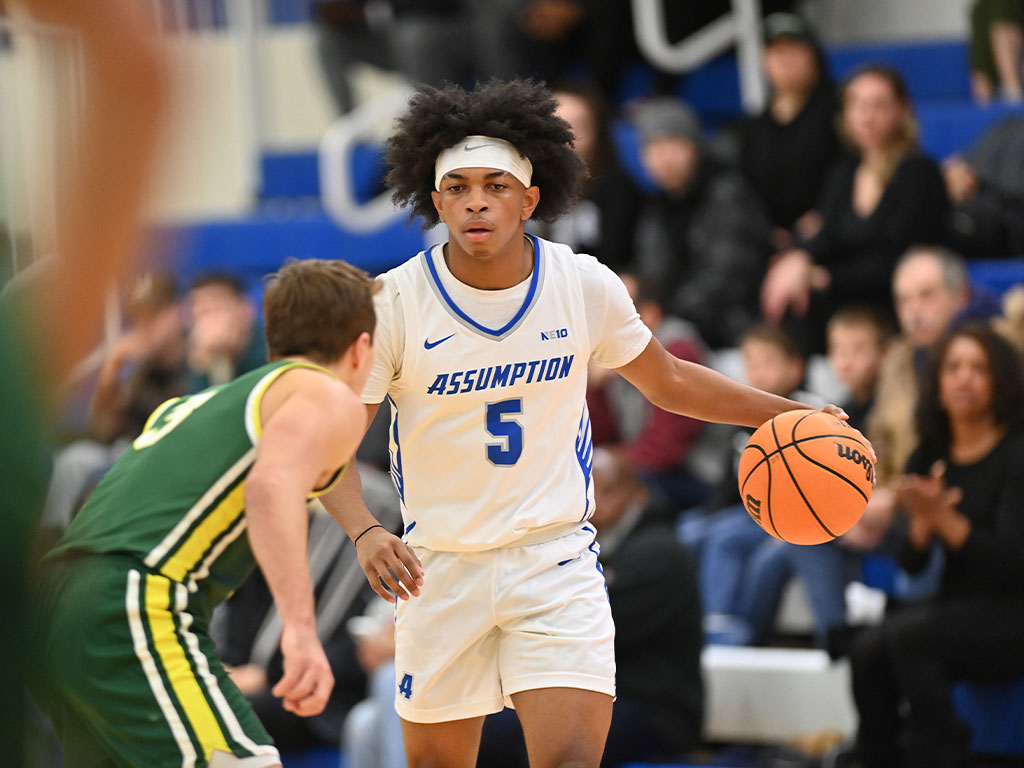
(701,233)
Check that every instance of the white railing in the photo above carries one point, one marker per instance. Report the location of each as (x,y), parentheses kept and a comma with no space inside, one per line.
(741,28)
(337,192)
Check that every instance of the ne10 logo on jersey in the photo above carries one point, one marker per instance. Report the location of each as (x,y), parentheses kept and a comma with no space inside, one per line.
(560,333)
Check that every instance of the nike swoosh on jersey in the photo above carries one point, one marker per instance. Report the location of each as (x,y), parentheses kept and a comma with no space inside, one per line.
(428,344)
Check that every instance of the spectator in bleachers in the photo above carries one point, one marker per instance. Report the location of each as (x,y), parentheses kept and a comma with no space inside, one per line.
(736,558)
(857,341)
(786,151)
(599,223)
(997,50)
(653,593)
(464,41)
(703,234)
(658,442)
(932,294)
(428,41)
(1011,322)
(652,587)
(879,200)
(144,368)
(962,492)
(226,338)
(987,190)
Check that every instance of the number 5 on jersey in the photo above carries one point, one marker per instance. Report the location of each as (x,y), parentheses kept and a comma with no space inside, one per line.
(501,424)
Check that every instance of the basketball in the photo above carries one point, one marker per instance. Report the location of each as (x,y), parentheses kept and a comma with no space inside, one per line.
(805,476)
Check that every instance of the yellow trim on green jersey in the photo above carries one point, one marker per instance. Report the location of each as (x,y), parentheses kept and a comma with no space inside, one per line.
(330,483)
(176,535)
(190,553)
(160,410)
(175,663)
(253,422)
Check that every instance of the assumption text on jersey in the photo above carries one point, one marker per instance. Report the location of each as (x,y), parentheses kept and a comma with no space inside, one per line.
(498,376)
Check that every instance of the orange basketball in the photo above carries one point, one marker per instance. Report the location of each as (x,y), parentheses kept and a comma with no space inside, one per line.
(805,477)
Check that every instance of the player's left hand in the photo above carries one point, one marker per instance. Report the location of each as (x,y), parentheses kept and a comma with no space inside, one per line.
(839,413)
(308,680)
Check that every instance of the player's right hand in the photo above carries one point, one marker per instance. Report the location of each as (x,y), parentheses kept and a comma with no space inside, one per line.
(390,565)
(308,680)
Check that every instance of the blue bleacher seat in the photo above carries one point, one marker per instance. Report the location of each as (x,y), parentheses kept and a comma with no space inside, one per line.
(933,69)
(318,757)
(995,713)
(260,243)
(954,127)
(998,275)
(290,11)
(714,91)
(297,173)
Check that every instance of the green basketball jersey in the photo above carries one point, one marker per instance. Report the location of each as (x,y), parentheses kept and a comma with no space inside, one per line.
(176,499)
(24,466)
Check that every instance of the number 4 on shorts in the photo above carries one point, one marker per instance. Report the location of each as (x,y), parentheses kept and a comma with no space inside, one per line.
(405,687)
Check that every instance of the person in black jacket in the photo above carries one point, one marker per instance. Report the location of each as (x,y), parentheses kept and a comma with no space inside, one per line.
(879,200)
(652,586)
(962,494)
(786,150)
(703,233)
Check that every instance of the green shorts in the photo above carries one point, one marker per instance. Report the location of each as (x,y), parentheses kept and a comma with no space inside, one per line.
(129,674)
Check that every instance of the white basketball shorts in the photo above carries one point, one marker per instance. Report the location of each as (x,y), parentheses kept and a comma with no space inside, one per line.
(490,624)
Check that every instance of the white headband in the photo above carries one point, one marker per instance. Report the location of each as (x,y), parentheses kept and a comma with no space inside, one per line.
(483,152)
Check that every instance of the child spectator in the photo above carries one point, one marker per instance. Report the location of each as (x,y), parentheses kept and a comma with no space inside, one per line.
(857,341)
(857,338)
(735,555)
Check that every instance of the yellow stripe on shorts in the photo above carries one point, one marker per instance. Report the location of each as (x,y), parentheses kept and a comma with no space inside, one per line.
(216,522)
(187,689)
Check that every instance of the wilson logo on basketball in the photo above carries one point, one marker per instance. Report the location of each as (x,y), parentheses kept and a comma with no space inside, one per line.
(852,454)
(754,507)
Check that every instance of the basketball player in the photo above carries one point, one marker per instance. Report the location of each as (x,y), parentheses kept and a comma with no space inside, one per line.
(101,193)
(483,346)
(215,480)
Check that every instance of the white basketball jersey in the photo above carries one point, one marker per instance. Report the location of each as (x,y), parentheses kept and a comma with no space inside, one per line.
(490,435)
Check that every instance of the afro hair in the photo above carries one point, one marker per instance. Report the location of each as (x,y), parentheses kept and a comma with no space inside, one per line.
(521,112)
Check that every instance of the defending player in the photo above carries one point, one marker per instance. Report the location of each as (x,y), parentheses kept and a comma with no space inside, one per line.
(130,674)
(483,345)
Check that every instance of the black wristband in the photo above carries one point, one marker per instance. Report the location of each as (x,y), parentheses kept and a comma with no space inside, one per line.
(357,538)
